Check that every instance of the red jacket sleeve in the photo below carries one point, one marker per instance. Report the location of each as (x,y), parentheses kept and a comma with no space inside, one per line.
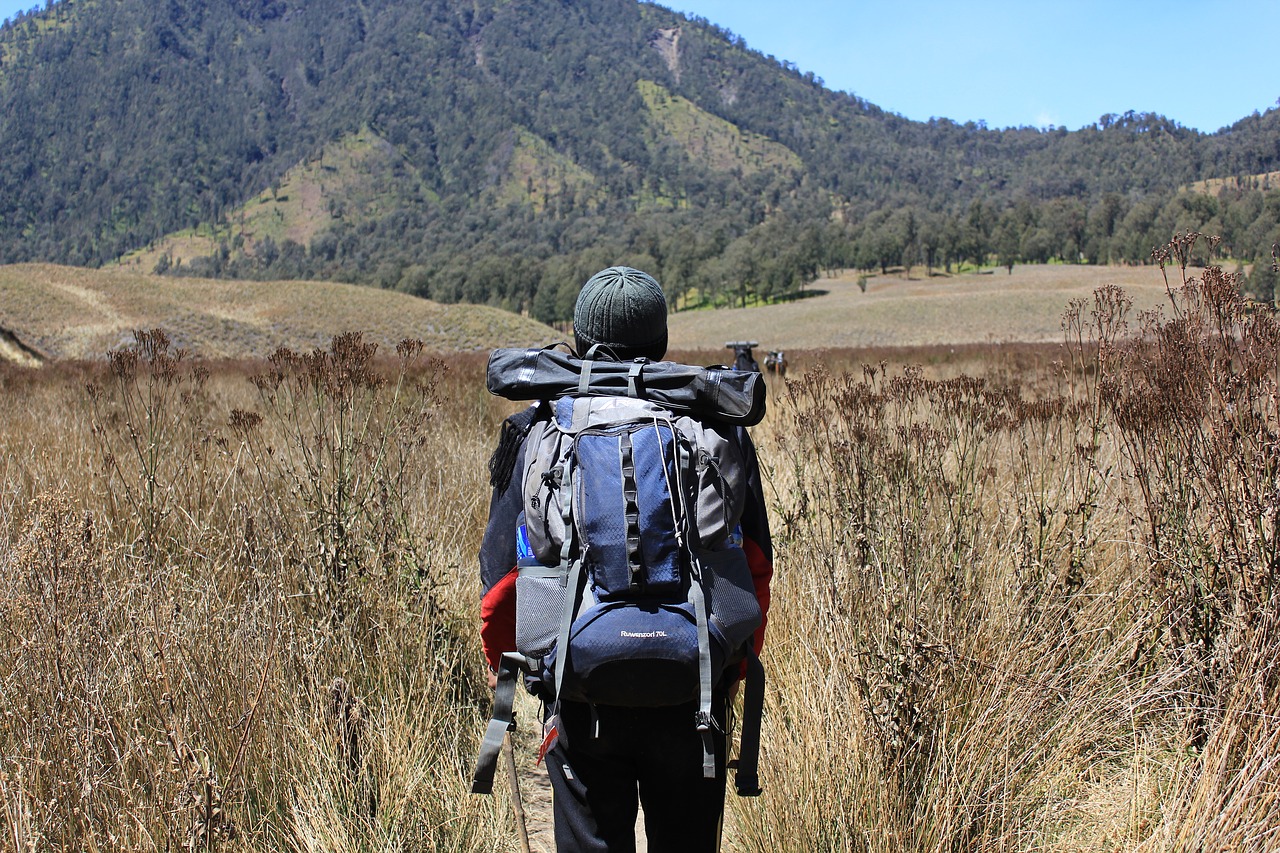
(756,540)
(761,576)
(498,559)
(498,619)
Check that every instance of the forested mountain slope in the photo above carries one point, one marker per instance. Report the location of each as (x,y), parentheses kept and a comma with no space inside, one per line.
(497,151)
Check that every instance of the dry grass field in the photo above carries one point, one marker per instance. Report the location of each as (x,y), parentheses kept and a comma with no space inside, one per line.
(1023,597)
(74,313)
(992,307)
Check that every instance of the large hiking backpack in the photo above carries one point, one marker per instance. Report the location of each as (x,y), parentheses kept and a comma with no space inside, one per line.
(632,587)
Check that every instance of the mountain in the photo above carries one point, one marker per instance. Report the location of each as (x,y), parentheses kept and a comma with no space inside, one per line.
(500,151)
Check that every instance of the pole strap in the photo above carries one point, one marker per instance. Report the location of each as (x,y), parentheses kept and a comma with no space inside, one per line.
(503,721)
(747,778)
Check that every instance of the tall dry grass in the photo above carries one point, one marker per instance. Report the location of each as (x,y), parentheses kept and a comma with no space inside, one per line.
(1032,611)
(236,604)
(1022,601)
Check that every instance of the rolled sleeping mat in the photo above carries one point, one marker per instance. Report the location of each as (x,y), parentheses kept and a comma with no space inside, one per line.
(715,393)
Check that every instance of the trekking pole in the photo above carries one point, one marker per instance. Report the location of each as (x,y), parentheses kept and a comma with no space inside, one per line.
(517,805)
(729,719)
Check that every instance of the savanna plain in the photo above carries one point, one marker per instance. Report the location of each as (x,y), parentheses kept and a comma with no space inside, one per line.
(1023,594)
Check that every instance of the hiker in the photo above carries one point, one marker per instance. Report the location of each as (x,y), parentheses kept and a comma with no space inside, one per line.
(776,363)
(605,760)
(743,357)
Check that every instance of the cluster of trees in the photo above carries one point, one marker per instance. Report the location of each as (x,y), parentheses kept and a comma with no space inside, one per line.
(706,261)
(134,119)
(1108,229)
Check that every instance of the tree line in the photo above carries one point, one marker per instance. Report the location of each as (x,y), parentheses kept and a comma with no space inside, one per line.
(703,261)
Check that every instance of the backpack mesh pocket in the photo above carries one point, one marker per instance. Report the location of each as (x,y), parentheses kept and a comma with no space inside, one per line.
(540,593)
(731,598)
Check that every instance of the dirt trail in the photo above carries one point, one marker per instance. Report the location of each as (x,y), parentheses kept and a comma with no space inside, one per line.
(535,792)
(93,298)
(110,321)
(535,787)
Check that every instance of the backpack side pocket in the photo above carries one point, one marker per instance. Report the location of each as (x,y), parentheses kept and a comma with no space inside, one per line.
(717,485)
(734,611)
(540,602)
(546,467)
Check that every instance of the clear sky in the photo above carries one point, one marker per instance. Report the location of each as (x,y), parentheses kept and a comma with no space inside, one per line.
(1202,63)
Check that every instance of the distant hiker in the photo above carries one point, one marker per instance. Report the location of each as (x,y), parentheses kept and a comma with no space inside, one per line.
(743,359)
(626,568)
(776,362)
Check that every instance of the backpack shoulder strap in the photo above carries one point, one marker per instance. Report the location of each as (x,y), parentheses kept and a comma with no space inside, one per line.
(703,718)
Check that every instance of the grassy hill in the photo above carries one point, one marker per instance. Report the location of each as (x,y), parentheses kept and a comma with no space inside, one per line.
(68,312)
(361,177)
(717,144)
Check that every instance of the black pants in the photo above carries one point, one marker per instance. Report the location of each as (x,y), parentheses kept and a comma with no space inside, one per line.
(601,769)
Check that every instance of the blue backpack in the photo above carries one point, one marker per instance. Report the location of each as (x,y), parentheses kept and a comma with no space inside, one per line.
(632,587)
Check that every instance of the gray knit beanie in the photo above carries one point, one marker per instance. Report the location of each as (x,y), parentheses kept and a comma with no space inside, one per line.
(623,309)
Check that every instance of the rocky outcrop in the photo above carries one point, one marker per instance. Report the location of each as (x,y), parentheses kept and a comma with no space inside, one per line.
(666,40)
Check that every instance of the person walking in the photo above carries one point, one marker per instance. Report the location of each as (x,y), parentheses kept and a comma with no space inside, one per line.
(604,762)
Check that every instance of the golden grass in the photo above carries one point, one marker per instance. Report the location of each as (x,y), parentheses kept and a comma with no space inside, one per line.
(195,654)
(241,615)
(68,312)
(941,682)
(74,313)
(994,307)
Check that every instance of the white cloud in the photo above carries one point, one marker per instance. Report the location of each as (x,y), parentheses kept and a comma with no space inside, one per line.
(1045,118)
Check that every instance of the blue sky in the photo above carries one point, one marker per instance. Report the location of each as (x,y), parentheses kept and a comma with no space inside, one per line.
(1202,63)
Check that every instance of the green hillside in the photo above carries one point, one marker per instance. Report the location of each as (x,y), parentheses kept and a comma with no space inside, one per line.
(709,140)
(497,152)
